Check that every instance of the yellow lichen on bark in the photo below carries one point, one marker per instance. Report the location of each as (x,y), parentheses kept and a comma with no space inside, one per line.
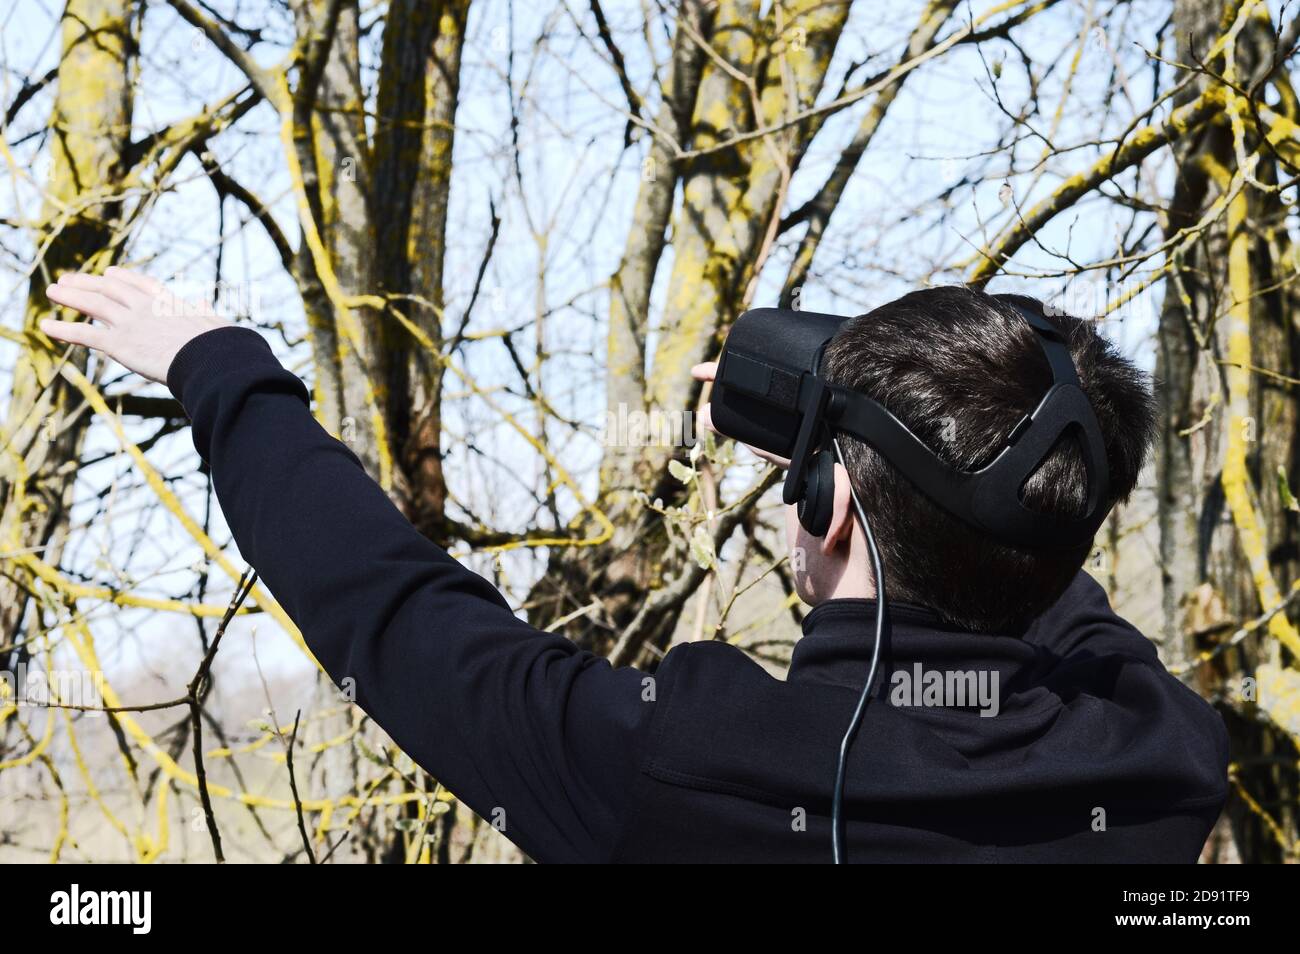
(350,334)
(1235,474)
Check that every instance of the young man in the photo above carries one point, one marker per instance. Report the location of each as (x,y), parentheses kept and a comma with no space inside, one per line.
(1017,717)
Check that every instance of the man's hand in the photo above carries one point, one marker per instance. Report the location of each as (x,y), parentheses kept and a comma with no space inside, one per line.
(138,323)
(707,372)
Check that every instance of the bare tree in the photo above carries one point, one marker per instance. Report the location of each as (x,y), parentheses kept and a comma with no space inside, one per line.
(496,233)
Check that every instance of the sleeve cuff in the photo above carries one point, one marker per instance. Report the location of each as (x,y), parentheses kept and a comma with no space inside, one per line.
(215,353)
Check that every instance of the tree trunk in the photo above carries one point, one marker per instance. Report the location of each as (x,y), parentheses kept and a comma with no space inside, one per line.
(1225,536)
(43,435)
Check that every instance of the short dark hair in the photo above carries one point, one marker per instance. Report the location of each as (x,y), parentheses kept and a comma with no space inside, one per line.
(960,368)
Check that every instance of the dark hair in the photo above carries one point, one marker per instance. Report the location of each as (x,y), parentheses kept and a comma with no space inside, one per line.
(960,368)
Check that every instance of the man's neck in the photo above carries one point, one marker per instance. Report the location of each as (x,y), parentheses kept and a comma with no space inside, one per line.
(855,584)
(856,580)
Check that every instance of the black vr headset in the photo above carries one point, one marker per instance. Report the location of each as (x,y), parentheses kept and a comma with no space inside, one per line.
(769,393)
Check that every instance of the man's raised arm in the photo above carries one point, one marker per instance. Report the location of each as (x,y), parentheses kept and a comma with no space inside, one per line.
(532,733)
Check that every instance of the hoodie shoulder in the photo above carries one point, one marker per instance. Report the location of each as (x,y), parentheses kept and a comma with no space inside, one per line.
(1083,620)
(1094,647)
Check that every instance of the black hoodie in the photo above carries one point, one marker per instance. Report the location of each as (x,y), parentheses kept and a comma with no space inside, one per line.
(1095,753)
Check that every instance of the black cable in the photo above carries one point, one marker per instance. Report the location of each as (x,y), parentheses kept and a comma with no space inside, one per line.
(878,570)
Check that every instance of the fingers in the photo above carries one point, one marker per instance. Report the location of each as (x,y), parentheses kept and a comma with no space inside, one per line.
(143,283)
(93,303)
(705,416)
(111,288)
(705,372)
(75,332)
(771,458)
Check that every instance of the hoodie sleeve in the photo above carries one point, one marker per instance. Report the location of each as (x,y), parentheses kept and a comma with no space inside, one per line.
(539,738)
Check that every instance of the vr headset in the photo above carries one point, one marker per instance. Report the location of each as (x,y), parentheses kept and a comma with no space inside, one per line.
(770,393)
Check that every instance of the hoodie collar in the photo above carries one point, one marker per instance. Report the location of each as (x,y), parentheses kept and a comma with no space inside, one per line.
(839,634)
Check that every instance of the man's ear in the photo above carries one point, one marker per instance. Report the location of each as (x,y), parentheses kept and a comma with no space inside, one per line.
(840,530)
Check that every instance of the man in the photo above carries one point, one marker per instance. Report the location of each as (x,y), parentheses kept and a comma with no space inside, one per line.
(1018,718)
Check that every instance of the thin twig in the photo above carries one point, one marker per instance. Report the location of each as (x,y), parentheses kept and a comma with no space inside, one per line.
(293,787)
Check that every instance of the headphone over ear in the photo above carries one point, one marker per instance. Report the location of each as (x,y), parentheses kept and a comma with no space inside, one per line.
(817,505)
